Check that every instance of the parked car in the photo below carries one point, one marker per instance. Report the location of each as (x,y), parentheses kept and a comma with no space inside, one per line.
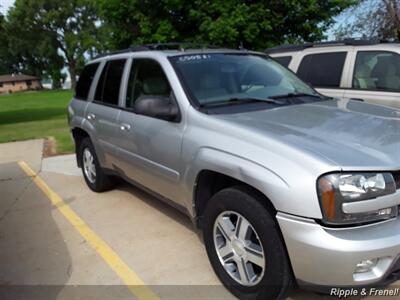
(367,70)
(286,184)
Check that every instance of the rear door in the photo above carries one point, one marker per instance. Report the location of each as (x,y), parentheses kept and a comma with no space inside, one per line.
(149,148)
(375,77)
(103,112)
(78,105)
(324,71)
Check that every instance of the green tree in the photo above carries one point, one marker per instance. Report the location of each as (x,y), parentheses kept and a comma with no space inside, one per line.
(33,51)
(255,24)
(146,21)
(261,24)
(6,60)
(53,31)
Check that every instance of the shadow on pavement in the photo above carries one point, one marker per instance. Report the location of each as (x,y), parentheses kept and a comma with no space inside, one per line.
(158,204)
(34,258)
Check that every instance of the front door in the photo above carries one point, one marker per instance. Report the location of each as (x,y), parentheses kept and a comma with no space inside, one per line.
(149,148)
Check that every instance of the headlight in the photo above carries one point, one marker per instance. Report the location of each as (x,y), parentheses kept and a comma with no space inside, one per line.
(336,189)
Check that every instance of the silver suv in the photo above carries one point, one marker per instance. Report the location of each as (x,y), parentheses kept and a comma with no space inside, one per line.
(286,184)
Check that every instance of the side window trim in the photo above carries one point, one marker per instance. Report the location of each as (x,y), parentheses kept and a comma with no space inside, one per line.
(96,81)
(346,72)
(351,82)
(132,64)
(101,81)
(124,83)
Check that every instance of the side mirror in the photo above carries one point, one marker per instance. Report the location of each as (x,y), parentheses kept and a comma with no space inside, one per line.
(157,107)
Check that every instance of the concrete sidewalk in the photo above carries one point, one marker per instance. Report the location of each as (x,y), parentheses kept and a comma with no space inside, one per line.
(30,151)
(63,164)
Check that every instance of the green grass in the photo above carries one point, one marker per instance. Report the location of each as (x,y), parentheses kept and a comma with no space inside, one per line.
(33,115)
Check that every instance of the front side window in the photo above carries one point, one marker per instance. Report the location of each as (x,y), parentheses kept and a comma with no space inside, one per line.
(217,78)
(109,84)
(322,69)
(377,70)
(85,81)
(146,78)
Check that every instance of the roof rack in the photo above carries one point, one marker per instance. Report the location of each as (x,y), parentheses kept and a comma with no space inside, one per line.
(345,42)
(160,47)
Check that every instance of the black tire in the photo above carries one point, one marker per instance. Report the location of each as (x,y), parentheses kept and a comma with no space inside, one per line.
(102,181)
(277,276)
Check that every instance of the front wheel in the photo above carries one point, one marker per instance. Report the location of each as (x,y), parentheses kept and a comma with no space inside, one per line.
(244,245)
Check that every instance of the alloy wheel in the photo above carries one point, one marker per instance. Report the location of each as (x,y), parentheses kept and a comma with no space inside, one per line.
(88,165)
(239,248)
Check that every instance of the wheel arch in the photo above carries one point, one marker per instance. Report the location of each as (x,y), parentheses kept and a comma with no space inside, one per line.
(209,182)
(79,135)
(216,170)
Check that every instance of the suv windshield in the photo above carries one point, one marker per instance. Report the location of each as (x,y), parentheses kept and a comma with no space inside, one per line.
(225,79)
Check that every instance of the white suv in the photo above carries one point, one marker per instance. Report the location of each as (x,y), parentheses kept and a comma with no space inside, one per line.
(366,70)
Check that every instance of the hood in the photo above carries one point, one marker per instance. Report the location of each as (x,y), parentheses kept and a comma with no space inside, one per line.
(351,134)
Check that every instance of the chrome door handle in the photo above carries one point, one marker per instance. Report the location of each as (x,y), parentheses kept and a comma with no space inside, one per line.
(91,116)
(125,127)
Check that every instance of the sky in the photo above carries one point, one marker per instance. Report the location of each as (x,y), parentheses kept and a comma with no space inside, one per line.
(5,5)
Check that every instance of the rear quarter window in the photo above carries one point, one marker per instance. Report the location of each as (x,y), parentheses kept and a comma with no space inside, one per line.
(283,60)
(322,69)
(85,81)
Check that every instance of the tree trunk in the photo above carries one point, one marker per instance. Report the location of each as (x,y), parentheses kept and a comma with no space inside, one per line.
(56,82)
(71,63)
(392,6)
(72,73)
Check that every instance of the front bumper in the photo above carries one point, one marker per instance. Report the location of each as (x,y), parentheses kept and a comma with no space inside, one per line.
(328,257)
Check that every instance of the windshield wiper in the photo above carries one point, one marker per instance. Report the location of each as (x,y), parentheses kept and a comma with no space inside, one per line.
(235,101)
(295,95)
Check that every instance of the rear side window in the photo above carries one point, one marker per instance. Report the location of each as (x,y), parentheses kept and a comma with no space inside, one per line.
(283,60)
(85,81)
(323,69)
(109,85)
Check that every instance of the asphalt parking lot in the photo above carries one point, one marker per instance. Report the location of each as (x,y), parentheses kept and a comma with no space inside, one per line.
(59,240)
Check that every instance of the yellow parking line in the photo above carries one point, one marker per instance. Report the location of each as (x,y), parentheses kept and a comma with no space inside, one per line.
(129,277)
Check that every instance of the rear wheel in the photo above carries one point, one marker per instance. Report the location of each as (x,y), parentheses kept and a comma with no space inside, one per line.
(244,245)
(94,175)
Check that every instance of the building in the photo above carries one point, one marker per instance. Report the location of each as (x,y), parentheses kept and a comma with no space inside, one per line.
(18,82)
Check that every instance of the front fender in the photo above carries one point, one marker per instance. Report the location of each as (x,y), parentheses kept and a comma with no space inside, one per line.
(284,196)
